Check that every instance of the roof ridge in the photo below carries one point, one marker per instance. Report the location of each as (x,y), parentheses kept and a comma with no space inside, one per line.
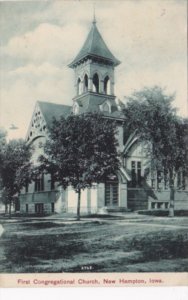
(92,37)
(47,102)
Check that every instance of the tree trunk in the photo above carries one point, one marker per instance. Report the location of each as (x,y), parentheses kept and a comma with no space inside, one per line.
(78,205)
(172,194)
(10,208)
(6,208)
(171,207)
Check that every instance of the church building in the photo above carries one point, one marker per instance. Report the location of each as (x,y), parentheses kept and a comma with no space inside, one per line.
(133,188)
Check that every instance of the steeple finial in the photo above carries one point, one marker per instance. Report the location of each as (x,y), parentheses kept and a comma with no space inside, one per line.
(94,18)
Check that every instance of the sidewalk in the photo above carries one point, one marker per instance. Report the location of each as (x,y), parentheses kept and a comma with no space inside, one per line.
(115,217)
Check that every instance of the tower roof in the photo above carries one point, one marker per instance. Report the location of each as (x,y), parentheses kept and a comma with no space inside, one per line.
(95,46)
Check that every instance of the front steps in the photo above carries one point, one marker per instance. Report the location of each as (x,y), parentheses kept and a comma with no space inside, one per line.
(118,209)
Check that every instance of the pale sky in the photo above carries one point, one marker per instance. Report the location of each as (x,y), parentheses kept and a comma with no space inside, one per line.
(40,38)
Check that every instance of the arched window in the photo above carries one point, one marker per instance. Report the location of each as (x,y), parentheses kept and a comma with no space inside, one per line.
(79,87)
(85,83)
(107,85)
(106,107)
(96,83)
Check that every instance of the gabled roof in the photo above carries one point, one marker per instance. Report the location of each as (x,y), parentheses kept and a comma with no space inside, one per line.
(42,118)
(130,141)
(95,46)
(125,173)
(52,110)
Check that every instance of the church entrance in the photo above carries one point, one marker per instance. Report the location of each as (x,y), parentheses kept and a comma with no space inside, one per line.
(39,208)
(111,193)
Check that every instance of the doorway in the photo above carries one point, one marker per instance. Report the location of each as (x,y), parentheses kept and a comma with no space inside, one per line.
(111,193)
(39,208)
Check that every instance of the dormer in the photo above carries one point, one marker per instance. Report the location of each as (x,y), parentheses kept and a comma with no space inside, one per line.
(106,107)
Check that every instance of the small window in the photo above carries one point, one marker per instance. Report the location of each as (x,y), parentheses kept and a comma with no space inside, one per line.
(39,208)
(52,206)
(153,183)
(165,179)
(139,178)
(159,179)
(79,86)
(52,183)
(181,180)
(39,183)
(27,208)
(133,173)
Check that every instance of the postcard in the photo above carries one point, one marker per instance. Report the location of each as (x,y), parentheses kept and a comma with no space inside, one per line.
(93,144)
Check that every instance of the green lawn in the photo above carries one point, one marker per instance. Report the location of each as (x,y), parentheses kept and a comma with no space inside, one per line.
(141,244)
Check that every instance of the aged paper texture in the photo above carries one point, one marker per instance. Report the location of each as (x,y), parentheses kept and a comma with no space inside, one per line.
(62,58)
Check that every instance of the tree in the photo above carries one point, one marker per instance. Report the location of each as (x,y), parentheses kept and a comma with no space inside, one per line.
(15,171)
(150,113)
(3,135)
(81,150)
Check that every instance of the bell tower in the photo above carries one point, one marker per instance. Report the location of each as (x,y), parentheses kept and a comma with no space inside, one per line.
(94,73)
